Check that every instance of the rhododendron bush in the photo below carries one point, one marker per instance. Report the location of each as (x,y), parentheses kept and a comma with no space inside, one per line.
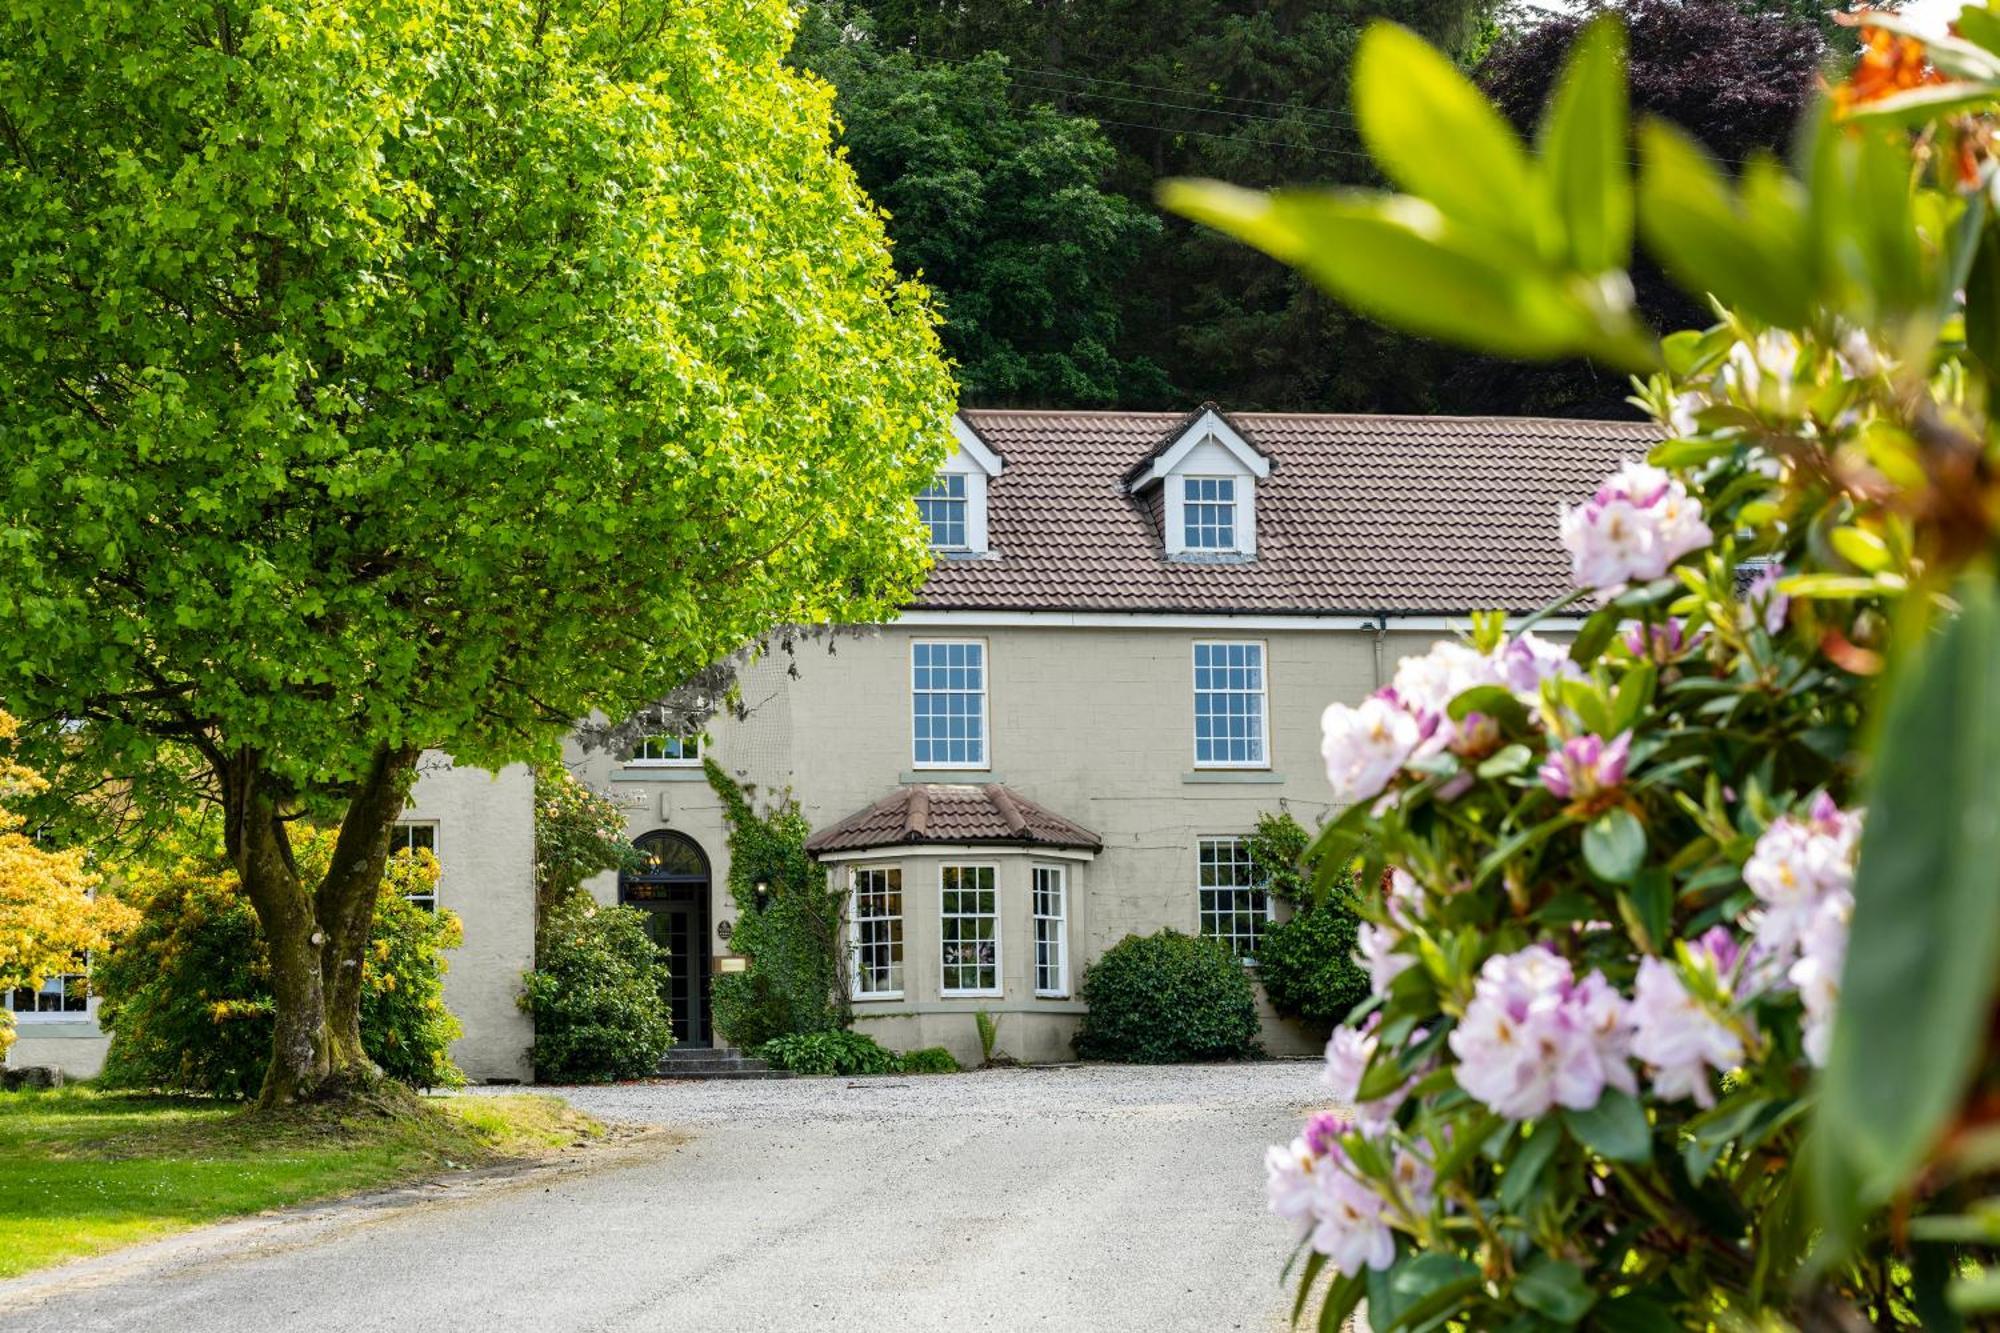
(1686,925)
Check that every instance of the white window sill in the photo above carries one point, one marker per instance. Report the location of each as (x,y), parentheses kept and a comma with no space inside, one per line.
(971,994)
(874,997)
(1052,995)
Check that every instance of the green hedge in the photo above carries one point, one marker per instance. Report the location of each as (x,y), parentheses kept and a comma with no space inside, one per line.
(1167,997)
(844,1052)
(597,995)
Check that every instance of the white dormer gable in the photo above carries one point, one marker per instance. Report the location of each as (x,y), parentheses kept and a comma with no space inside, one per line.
(954,506)
(1208,476)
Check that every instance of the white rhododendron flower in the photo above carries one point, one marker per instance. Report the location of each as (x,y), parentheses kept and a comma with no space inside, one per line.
(1426,685)
(1676,1035)
(1797,865)
(1640,521)
(1349,1226)
(1822,953)
(1365,746)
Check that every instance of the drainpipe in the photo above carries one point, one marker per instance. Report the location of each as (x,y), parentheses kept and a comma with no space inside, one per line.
(1381,632)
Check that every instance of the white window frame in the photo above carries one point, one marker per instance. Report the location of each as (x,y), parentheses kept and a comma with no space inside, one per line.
(30,1016)
(854,933)
(984,760)
(999,975)
(1058,921)
(435,898)
(1234,504)
(1261,887)
(964,501)
(700,748)
(1263,693)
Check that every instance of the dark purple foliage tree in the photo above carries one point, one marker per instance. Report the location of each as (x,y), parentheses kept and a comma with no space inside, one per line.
(1735,76)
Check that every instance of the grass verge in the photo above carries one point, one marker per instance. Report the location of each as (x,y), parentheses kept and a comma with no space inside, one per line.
(83,1171)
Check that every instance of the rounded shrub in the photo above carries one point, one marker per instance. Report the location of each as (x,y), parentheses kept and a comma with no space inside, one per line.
(1306,963)
(186,994)
(597,995)
(930,1060)
(1167,997)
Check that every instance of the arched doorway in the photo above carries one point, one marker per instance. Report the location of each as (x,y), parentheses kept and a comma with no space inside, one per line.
(671,883)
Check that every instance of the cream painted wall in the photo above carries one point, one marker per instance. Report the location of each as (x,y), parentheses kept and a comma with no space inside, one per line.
(1096,724)
(486,874)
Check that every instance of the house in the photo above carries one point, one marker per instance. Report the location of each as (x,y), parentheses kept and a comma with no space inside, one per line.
(1117,663)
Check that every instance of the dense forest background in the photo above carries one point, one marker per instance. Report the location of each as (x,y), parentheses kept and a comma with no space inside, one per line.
(1016,144)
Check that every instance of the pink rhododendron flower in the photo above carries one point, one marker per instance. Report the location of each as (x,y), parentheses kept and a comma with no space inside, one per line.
(1527,661)
(1533,1039)
(1796,866)
(1348,1052)
(1425,687)
(1365,746)
(1379,958)
(1584,767)
(1349,1226)
(1677,1036)
(1663,642)
(1640,521)
(1822,953)
(1416,1181)
(1288,1181)
(1763,604)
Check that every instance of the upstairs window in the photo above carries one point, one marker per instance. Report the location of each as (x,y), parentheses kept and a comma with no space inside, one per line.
(407,839)
(943,507)
(672,751)
(1229,730)
(948,704)
(1208,513)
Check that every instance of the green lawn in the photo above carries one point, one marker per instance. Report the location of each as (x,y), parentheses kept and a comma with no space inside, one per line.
(83,1171)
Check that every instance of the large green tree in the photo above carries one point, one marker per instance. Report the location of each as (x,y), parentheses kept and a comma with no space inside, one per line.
(406,374)
(1250,92)
(1001,203)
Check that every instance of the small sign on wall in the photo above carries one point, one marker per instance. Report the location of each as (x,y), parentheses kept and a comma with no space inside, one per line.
(731,962)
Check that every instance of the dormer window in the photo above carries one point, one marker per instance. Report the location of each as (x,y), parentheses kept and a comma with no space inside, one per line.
(1206,474)
(953,506)
(942,505)
(1208,513)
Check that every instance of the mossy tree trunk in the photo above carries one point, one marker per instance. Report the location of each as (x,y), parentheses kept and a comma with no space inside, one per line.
(315,935)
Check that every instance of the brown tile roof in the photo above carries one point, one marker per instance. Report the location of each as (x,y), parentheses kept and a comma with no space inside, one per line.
(940,813)
(1360,514)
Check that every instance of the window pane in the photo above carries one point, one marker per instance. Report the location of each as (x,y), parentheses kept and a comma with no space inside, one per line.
(668,750)
(1232,900)
(877,916)
(969,929)
(1208,513)
(942,507)
(948,704)
(1051,931)
(1229,704)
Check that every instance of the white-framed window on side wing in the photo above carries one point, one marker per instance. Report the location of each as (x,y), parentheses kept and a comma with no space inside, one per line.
(65,995)
(969,930)
(948,703)
(407,839)
(1235,907)
(875,927)
(1230,718)
(1051,923)
(667,752)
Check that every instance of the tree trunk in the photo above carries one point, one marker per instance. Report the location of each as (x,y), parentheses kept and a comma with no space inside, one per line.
(345,899)
(315,939)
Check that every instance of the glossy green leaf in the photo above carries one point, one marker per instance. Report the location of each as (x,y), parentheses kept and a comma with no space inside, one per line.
(1525,1167)
(1555,1287)
(1404,262)
(1634,1313)
(1315,1262)
(1918,987)
(1614,846)
(1709,242)
(1584,150)
(1614,1129)
(1494,701)
(1982,301)
(1437,136)
(1421,1287)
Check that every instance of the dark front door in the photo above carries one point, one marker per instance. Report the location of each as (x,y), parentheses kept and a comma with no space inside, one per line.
(672,886)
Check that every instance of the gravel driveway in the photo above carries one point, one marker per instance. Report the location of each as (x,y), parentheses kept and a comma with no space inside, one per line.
(1080,1198)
